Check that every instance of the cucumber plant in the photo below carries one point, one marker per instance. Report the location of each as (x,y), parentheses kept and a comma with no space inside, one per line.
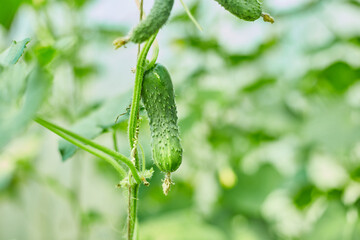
(154,87)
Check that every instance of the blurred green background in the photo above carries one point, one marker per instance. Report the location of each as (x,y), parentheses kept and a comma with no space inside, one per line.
(269,118)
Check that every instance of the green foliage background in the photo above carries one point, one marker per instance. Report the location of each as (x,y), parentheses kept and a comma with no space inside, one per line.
(269,118)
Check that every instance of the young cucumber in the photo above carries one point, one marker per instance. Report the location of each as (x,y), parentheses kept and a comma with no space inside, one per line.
(157,17)
(158,97)
(248,10)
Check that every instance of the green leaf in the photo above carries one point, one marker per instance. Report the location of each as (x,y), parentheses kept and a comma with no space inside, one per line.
(259,84)
(97,122)
(90,217)
(8,10)
(340,76)
(332,126)
(331,225)
(179,225)
(38,84)
(11,55)
(45,54)
(336,78)
(250,193)
(305,196)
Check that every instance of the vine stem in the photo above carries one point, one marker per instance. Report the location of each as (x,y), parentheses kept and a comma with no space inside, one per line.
(154,56)
(192,18)
(79,141)
(134,111)
(115,140)
(133,120)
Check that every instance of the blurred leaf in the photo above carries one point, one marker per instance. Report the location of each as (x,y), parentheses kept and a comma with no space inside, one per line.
(12,87)
(355,174)
(340,76)
(305,196)
(45,54)
(251,190)
(304,7)
(179,226)
(6,176)
(202,44)
(16,165)
(355,40)
(8,10)
(38,84)
(98,121)
(331,225)
(76,3)
(258,84)
(249,229)
(85,70)
(183,17)
(158,204)
(232,59)
(90,217)
(11,55)
(336,78)
(355,2)
(332,126)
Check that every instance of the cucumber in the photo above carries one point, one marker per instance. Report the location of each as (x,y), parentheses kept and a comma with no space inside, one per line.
(157,17)
(248,10)
(158,97)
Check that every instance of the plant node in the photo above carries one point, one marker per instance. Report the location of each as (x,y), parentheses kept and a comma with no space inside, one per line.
(147,174)
(146,183)
(123,183)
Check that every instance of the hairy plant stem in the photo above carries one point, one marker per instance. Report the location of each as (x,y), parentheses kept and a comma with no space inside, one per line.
(134,111)
(77,143)
(133,122)
(115,142)
(97,146)
(192,18)
(154,56)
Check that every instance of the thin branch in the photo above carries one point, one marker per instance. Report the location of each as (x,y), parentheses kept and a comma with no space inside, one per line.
(192,18)
(115,140)
(143,165)
(154,56)
(97,146)
(111,161)
(134,111)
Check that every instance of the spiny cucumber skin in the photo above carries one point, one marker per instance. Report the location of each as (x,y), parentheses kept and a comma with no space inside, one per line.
(158,97)
(157,17)
(248,10)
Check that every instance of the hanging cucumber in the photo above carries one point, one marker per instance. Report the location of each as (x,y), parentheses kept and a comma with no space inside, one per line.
(248,10)
(158,97)
(157,17)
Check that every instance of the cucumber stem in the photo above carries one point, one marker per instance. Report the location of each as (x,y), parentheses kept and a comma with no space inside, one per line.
(133,120)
